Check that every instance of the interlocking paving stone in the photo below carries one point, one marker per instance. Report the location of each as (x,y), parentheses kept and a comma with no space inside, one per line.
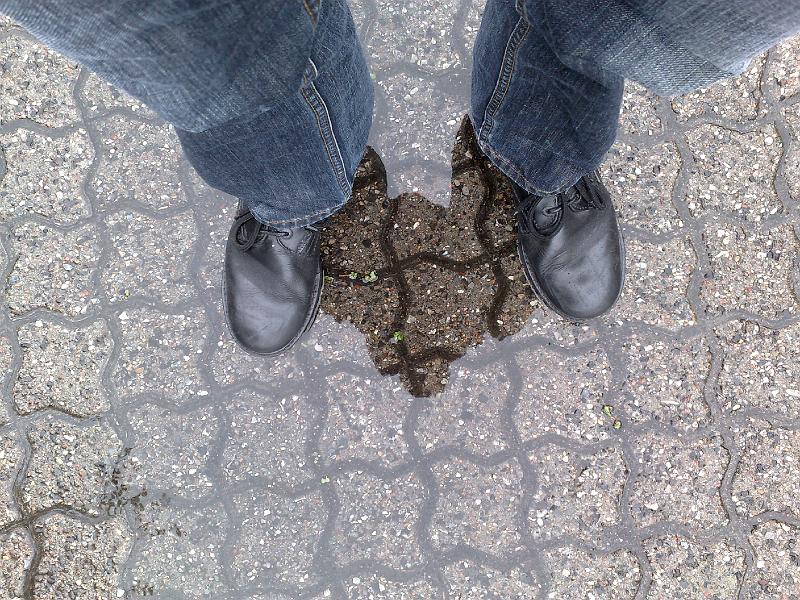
(468,414)
(266,438)
(577,575)
(79,560)
(364,422)
(665,381)
(16,554)
(378,520)
(777,570)
(101,97)
(753,270)
(733,172)
(160,354)
(760,368)
(6,363)
(678,481)
(738,98)
(11,460)
(380,588)
(470,581)
(172,447)
(277,538)
(138,162)
(179,551)
(478,506)
(576,495)
(69,466)
(657,283)
(767,475)
(53,270)
(641,182)
(784,68)
(685,570)
(62,368)
(563,395)
(792,168)
(149,257)
(44,175)
(214,438)
(640,115)
(37,83)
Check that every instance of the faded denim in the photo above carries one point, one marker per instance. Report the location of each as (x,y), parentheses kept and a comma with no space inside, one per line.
(272,99)
(548,75)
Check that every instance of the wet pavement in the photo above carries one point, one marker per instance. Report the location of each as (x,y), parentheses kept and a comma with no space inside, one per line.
(438,433)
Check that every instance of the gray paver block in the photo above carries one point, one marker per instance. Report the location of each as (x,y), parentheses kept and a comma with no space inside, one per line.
(641,181)
(100,97)
(733,172)
(378,520)
(760,368)
(70,465)
(685,570)
(578,575)
(478,506)
(173,447)
(364,422)
(737,98)
(471,581)
(150,257)
(665,381)
(266,438)
(577,495)
(160,354)
(468,414)
(563,394)
(79,560)
(640,114)
(11,459)
(139,162)
(754,271)
(784,68)
(178,551)
(679,481)
(44,175)
(277,539)
(53,270)
(62,368)
(380,588)
(792,166)
(37,83)
(777,570)
(767,476)
(657,284)
(16,554)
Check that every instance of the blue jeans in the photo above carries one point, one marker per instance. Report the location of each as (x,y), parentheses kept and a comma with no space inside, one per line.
(272,99)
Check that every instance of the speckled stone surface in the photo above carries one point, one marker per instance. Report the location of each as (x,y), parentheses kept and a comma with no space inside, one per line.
(439,434)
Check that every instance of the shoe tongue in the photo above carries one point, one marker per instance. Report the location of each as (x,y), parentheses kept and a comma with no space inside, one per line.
(546,214)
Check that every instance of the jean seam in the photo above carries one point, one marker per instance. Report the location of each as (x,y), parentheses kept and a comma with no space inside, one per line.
(504,77)
(321,214)
(508,165)
(317,104)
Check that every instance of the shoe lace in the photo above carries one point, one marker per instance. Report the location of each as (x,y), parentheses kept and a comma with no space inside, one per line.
(579,197)
(245,243)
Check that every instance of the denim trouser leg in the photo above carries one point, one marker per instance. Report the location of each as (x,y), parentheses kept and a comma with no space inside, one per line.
(271,99)
(548,77)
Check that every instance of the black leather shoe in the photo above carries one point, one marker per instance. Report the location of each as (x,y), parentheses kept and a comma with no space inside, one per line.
(571,248)
(273,282)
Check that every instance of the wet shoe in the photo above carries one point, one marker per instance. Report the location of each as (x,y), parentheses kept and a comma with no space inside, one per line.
(273,282)
(571,248)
